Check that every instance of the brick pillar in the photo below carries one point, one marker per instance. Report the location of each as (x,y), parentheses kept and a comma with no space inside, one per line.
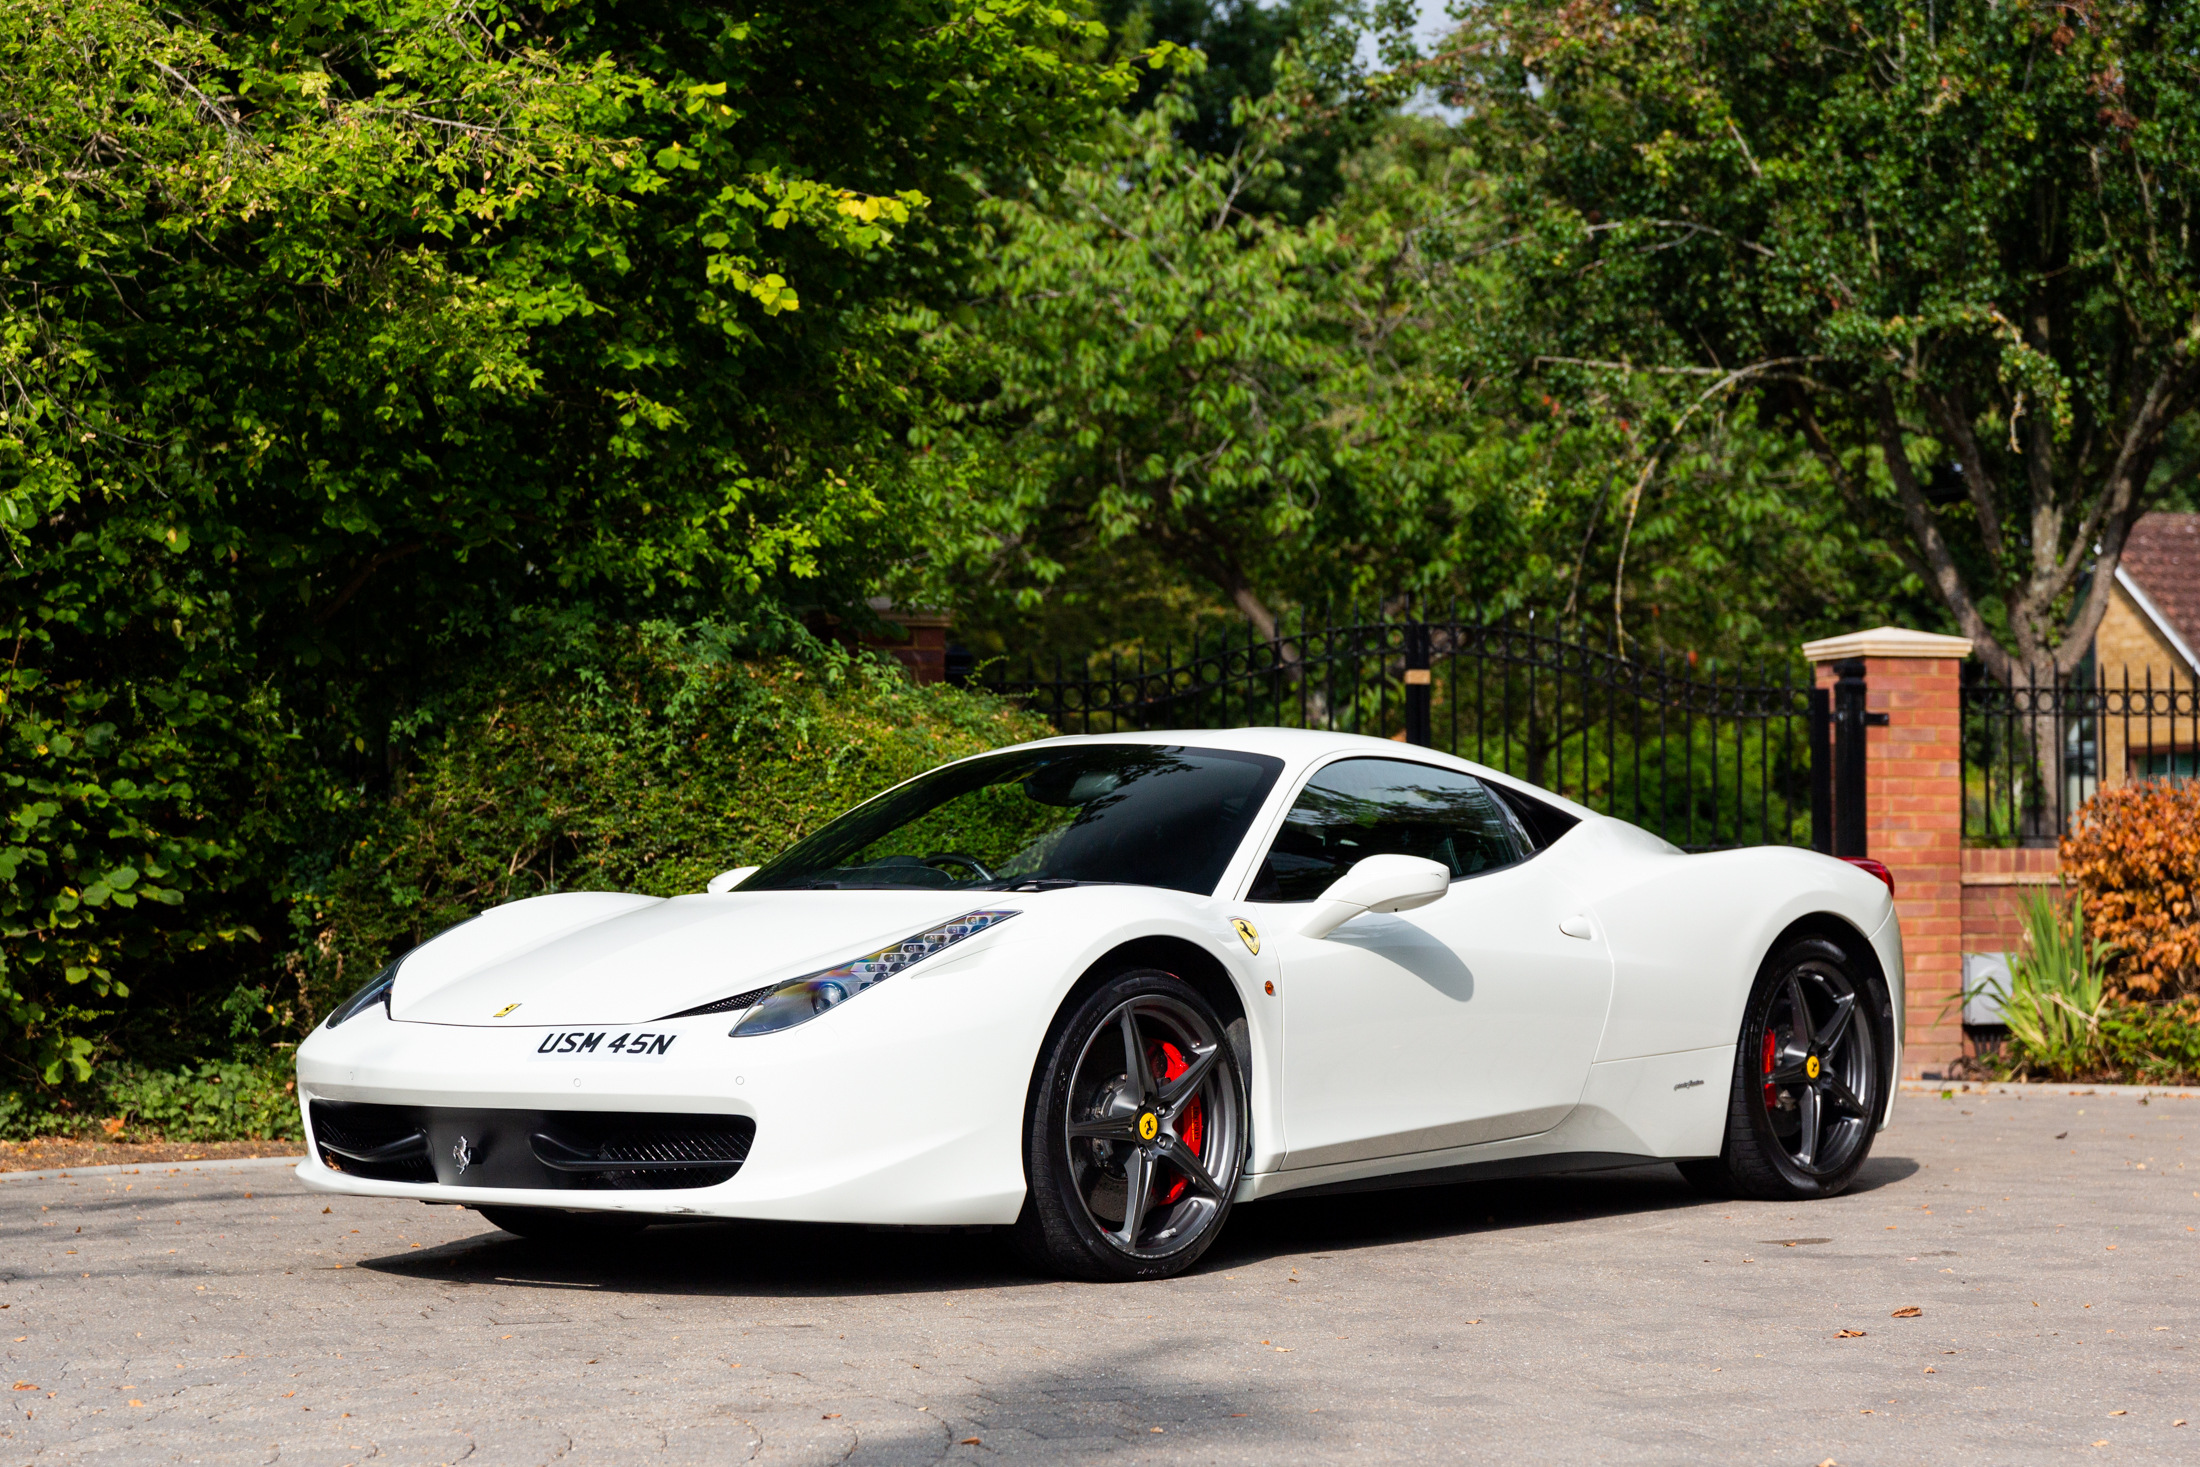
(1913,817)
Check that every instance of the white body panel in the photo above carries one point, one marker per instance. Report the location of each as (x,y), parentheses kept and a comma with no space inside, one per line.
(1474,1031)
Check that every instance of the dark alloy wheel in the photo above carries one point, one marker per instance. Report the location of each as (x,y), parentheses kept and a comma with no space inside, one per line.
(1809,1080)
(557,1225)
(1137,1133)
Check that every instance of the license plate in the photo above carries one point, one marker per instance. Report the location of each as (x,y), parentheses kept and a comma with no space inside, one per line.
(628,1046)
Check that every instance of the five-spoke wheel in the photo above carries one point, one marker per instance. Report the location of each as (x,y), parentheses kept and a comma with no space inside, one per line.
(1809,1080)
(1137,1133)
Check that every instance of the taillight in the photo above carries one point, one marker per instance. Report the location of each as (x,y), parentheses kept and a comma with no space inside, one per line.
(1866,863)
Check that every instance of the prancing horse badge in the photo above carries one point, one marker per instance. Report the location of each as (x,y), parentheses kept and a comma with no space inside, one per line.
(1249,933)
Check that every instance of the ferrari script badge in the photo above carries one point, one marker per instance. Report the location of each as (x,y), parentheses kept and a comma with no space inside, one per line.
(1810,1067)
(1149,1126)
(1249,933)
(463,1154)
(500,1013)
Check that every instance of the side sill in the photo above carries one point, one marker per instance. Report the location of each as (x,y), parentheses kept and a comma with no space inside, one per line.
(1505,1169)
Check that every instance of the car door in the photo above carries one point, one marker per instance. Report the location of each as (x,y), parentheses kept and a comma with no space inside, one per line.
(1472,1019)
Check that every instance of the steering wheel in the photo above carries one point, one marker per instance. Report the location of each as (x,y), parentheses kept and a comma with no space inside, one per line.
(957,858)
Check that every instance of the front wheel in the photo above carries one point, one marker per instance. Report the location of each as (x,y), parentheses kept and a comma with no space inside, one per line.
(1809,1081)
(1137,1134)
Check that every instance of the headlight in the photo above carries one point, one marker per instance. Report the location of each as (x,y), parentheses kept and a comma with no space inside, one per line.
(376,992)
(801,999)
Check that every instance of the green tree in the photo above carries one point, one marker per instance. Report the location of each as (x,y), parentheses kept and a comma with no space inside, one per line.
(1948,245)
(333,335)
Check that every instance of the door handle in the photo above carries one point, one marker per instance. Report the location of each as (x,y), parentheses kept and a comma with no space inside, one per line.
(1577,925)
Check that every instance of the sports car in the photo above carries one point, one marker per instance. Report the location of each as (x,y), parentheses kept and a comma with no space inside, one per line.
(1098,990)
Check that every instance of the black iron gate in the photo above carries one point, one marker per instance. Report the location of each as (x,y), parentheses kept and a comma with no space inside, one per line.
(1708,756)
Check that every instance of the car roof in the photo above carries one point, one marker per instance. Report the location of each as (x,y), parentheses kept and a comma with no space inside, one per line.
(1299,747)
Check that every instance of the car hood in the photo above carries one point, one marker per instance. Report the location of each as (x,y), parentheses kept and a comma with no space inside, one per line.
(599,958)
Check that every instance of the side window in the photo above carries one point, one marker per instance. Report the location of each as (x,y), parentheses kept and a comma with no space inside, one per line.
(1358,808)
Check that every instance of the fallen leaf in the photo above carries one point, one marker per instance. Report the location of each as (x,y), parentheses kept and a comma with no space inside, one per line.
(2102,1442)
(2059,1135)
(1931,1370)
(971,1441)
(137,1403)
(2177,1423)
(2119,1413)
(328,1209)
(1850,1334)
(1907,1311)
(24,1385)
(1155,1430)
(1235,1414)
(830,1416)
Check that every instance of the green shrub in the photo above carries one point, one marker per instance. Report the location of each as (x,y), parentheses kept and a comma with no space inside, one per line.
(2057,987)
(2066,1024)
(213,1100)
(620,759)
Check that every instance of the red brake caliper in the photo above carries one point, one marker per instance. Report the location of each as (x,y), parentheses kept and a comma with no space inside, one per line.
(1167,1062)
(1770,1098)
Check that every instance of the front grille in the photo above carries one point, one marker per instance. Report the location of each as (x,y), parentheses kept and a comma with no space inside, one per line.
(688,1155)
(570,1150)
(385,1143)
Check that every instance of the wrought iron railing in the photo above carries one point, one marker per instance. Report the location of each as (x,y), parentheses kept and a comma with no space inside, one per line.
(2034,753)
(1706,756)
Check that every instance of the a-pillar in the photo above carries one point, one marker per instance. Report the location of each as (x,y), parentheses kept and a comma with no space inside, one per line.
(1913,817)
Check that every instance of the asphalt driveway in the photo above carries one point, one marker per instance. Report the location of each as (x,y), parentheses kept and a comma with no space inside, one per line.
(2047,1244)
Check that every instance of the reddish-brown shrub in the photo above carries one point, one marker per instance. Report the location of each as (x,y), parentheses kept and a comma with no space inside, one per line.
(2135,852)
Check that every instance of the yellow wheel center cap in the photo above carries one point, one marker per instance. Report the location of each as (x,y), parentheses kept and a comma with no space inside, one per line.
(1810,1067)
(1149,1126)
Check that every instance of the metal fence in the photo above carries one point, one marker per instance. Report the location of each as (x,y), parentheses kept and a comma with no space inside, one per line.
(1707,757)
(2033,754)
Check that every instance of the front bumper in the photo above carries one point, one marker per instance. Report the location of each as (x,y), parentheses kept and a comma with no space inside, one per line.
(895,1109)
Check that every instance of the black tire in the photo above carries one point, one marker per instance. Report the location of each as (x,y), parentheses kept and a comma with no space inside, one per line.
(1806,1098)
(1138,1093)
(556,1225)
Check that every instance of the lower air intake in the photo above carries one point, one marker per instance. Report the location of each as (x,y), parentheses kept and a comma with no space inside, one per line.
(556,1150)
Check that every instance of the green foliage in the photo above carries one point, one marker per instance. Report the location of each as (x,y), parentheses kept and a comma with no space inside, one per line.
(209,1100)
(2057,988)
(332,335)
(1247,49)
(1948,246)
(2066,1024)
(614,760)
(1152,363)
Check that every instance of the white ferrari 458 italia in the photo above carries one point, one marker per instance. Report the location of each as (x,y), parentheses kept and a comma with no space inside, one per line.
(1099,989)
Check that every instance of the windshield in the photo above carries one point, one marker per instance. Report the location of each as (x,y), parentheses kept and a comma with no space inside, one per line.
(1146,814)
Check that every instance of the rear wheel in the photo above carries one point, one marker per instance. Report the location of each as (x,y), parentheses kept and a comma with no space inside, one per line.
(557,1225)
(1137,1134)
(1809,1080)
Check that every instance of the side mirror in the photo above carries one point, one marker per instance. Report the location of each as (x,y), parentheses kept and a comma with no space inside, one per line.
(728,880)
(1377,884)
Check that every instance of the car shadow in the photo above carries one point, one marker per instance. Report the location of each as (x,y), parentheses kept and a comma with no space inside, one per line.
(815,1260)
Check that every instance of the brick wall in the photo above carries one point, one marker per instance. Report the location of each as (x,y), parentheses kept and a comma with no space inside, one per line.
(1913,797)
(1994,885)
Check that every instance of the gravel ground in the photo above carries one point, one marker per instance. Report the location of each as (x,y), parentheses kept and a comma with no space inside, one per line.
(2047,1243)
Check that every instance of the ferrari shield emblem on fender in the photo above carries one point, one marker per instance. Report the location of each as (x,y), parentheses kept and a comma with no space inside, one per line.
(1249,933)
(500,1013)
